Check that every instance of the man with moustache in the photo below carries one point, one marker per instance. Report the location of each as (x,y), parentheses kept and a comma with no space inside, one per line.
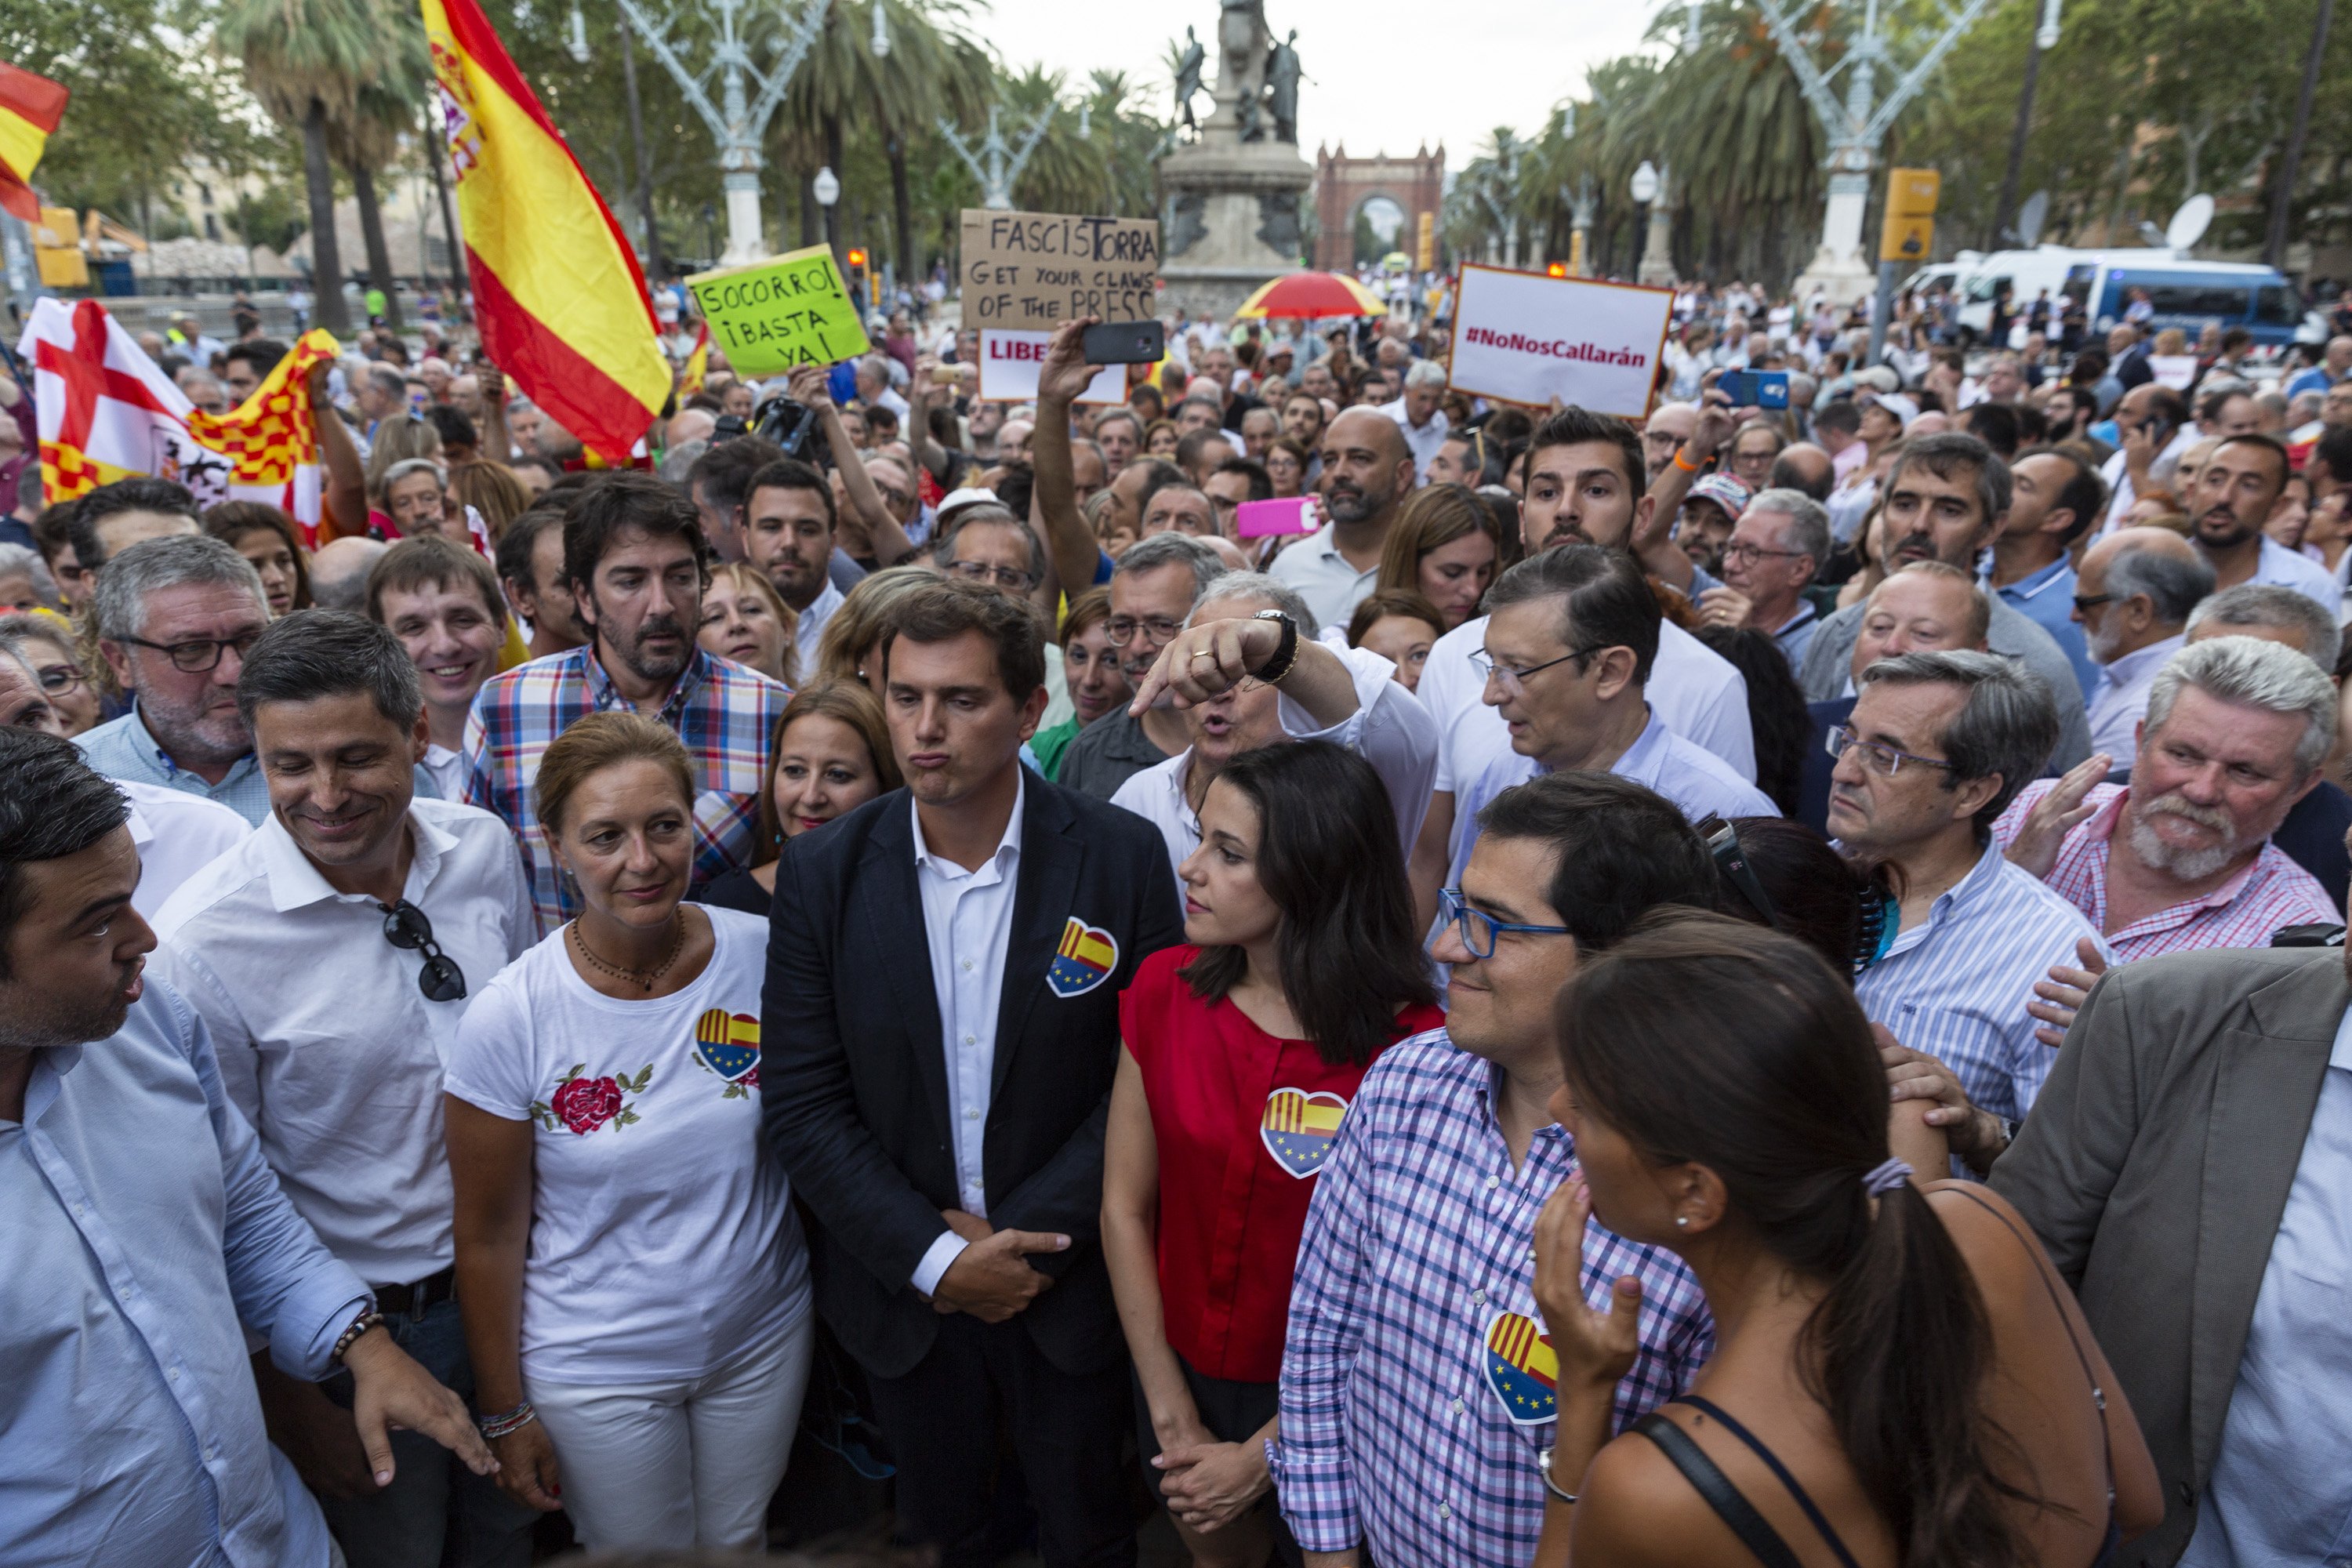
(1367,472)
(1944,500)
(632,552)
(2234,496)
(405,907)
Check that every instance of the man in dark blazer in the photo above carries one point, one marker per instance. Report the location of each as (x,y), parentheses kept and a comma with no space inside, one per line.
(939,1033)
(2187,1166)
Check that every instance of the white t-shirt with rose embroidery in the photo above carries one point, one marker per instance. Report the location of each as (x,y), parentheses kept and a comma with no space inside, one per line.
(663,1241)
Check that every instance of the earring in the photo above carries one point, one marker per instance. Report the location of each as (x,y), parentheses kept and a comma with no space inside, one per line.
(1683,1220)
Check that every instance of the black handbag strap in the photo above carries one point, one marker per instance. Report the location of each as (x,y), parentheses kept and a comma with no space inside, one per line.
(1716,1488)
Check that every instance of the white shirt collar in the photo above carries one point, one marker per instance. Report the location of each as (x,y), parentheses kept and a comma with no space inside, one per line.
(2130,667)
(295,881)
(1008,848)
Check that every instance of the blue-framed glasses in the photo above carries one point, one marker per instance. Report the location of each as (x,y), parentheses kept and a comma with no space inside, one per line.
(1477,929)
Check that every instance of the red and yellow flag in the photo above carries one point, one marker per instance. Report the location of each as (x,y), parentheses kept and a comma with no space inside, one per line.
(697,364)
(30,108)
(558,296)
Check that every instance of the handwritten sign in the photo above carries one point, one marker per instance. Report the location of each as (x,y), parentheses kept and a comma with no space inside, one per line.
(781,313)
(1032,271)
(1524,337)
(1009,363)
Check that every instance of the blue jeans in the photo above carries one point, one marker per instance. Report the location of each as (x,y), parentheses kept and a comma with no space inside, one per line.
(434,1502)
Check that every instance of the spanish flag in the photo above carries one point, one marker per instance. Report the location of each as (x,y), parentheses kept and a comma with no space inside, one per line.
(557,292)
(697,364)
(30,108)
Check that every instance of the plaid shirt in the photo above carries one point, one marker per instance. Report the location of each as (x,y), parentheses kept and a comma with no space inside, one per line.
(2271,891)
(1420,1232)
(724,712)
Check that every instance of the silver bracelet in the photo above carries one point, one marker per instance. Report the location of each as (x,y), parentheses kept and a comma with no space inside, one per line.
(1543,1464)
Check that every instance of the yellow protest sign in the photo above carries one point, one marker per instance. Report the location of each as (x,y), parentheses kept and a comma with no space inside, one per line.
(786,312)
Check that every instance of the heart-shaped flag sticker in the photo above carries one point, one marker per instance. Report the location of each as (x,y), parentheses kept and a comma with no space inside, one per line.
(1516,1355)
(1083,961)
(1300,1128)
(727,1043)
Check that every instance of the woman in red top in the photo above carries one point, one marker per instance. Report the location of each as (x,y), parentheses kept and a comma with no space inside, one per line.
(1243,1050)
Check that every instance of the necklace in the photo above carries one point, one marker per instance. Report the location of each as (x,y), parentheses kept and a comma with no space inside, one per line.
(645,978)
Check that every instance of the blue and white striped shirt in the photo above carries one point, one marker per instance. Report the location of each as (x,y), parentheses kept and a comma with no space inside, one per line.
(1955,986)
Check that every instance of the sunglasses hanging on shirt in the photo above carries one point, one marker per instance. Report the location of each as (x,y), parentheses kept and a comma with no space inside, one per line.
(406,927)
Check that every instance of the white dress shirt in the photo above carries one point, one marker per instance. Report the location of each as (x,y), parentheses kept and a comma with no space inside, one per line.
(2280,1492)
(1390,728)
(1423,440)
(1699,693)
(809,629)
(446,769)
(967,927)
(177,835)
(2116,472)
(1327,580)
(326,1042)
(2280,567)
(2121,699)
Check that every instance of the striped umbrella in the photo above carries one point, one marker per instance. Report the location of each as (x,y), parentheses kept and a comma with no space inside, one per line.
(1312,295)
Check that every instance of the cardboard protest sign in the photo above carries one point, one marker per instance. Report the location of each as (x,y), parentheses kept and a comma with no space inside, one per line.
(1032,271)
(776,315)
(1009,363)
(1524,337)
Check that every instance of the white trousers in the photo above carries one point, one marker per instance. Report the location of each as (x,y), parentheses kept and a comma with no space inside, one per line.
(675,1465)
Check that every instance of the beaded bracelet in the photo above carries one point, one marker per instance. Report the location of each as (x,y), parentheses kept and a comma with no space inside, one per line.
(351,1336)
(493,1427)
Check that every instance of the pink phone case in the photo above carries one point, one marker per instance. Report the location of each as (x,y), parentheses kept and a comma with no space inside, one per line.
(1259,519)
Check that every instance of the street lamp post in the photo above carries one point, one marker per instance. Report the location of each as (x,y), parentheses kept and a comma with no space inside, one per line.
(1579,220)
(1650,190)
(826,188)
(1003,162)
(739,120)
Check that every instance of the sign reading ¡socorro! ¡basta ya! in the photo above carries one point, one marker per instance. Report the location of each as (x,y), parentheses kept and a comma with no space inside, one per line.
(781,313)
(1524,337)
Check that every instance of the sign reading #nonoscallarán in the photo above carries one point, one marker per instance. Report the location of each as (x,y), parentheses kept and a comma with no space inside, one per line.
(1524,337)
(781,313)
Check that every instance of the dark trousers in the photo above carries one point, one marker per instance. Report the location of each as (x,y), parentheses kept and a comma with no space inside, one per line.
(943,1419)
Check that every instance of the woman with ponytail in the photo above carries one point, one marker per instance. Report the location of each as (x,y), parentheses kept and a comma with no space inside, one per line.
(1900,1380)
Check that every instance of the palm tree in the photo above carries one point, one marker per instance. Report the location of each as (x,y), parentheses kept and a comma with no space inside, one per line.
(307,60)
(384,113)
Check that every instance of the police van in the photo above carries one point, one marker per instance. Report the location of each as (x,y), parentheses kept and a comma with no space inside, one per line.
(2185,292)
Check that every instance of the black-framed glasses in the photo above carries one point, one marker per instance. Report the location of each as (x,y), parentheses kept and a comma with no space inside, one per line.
(1881,756)
(1477,929)
(1514,678)
(406,927)
(1002,576)
(1731,864)
(2093,601)
(197,655)
(1159,630)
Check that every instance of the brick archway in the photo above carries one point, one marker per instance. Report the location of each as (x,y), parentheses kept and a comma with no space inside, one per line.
(1343,185)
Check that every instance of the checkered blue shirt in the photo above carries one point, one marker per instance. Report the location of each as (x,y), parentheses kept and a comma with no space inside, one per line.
(724,712)
(1420,1232)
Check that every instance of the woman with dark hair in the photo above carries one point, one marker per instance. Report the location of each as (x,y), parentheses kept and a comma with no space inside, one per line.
(1777,714)
(1900,1377)
(831,754)
(266,537)
(1242,1049)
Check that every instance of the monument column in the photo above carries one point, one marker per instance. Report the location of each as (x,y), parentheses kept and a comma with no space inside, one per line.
(1233,201)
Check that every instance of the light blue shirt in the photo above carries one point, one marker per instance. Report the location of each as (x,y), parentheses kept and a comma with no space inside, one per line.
(2119,700)
(1956,985)
(1696,780)
(142,1225)
(2047,599)
(2281,1491)
(124,748)
(2280,567)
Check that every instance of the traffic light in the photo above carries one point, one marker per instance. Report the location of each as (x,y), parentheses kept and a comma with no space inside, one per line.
(858,284)
(1557,269)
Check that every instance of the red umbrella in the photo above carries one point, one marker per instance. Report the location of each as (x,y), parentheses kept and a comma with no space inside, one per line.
(1311,295)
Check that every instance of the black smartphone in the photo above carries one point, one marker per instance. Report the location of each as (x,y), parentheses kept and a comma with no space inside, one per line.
(1125,342)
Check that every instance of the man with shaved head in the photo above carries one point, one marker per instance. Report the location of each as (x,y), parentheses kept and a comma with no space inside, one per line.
(1367,472)
(2133,596)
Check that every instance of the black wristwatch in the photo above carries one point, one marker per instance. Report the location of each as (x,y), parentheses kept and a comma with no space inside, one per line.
(1285,653)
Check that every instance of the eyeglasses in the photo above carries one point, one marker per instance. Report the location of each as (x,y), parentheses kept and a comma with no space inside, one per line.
(2093,601)
(1002,576)
(198,655)
(61,678)
(1158,630)
(1478,929)
(406,927)
(1740,550)
(1880,755)
(1731,863)
(1514,678)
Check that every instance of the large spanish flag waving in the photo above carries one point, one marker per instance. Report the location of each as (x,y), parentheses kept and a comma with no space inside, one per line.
(557,293)
(30,108)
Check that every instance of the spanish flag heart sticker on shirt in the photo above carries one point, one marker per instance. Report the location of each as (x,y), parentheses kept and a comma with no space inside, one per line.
(1517,1357)
(1085,959)
(1298,1128)
(729,1043)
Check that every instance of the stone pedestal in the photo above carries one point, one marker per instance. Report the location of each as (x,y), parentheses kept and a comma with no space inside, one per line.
(1839,268)
(1232,213)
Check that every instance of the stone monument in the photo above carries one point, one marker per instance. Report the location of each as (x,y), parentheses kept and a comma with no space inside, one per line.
(1233,200)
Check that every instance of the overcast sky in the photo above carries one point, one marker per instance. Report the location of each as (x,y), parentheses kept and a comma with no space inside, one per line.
(1380,77)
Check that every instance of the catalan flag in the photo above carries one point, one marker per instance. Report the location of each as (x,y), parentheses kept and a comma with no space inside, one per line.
(697,364)
(558,295)
(1521,1368)
(30,108)
(1087,956)
(1298,1128)
(729,1043)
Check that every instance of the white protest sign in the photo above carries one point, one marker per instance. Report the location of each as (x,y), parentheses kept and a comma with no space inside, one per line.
(1524,337)
(2175,371)
(1009,363)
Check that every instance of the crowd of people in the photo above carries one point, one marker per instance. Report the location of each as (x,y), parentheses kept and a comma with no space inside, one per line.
(1729,987)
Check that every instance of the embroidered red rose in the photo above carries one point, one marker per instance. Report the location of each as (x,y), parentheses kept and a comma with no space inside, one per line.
(749,1079)
(586,1103)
